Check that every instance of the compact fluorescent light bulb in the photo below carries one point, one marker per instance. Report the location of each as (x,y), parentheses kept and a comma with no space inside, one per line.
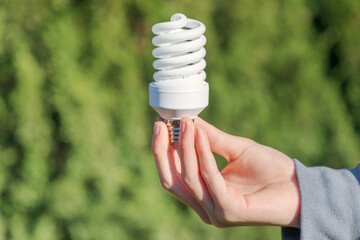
(179,88)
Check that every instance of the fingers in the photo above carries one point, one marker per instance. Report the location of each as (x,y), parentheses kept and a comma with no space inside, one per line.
(179,189)
(166,159)
(228,146)
(209,171)
(190,167)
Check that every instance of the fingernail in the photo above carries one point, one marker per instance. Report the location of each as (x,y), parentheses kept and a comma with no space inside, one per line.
(183,123)
(156,129)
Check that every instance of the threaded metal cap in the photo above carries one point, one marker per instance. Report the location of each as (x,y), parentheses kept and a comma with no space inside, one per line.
(174,130)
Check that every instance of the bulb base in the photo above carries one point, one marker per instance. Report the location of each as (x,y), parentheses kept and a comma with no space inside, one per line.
(174,130)
(173,126)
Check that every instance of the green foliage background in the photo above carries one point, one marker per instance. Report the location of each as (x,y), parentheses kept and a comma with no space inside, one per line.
(75,124)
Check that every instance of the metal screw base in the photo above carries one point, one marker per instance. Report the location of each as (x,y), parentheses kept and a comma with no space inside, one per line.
(174,130)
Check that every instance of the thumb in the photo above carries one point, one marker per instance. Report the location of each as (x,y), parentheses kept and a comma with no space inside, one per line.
(224,144)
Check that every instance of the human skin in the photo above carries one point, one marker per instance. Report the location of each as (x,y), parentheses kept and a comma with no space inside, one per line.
(258,186)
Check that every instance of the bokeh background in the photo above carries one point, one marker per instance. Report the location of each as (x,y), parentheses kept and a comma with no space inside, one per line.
(75,124)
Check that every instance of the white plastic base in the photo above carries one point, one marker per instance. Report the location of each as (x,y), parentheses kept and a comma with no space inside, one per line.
(178,105)
(178,114)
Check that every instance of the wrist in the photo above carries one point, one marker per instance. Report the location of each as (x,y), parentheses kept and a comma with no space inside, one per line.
(295,201)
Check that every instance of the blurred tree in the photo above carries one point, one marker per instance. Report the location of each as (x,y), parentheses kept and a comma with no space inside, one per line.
(75,124)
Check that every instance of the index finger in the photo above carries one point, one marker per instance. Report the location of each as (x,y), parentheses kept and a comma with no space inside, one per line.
(222,143)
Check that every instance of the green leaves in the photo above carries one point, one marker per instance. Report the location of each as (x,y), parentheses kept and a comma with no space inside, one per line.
(75,124)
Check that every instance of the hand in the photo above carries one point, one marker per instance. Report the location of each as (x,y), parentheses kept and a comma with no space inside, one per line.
(258,186)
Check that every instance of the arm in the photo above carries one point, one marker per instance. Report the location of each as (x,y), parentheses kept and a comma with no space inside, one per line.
(259,186)
(330,204)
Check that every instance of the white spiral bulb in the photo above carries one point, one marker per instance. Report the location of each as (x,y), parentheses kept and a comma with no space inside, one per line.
(180,49)
(179,88)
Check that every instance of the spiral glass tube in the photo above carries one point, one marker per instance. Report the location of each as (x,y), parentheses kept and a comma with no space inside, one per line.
(180,49)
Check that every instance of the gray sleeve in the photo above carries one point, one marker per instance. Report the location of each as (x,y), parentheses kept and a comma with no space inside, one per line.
(330,204)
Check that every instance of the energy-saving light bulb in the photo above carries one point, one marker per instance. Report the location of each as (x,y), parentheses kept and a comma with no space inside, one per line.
(179,88)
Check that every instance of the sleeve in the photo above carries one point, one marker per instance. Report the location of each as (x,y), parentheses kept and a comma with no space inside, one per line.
(330,204)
